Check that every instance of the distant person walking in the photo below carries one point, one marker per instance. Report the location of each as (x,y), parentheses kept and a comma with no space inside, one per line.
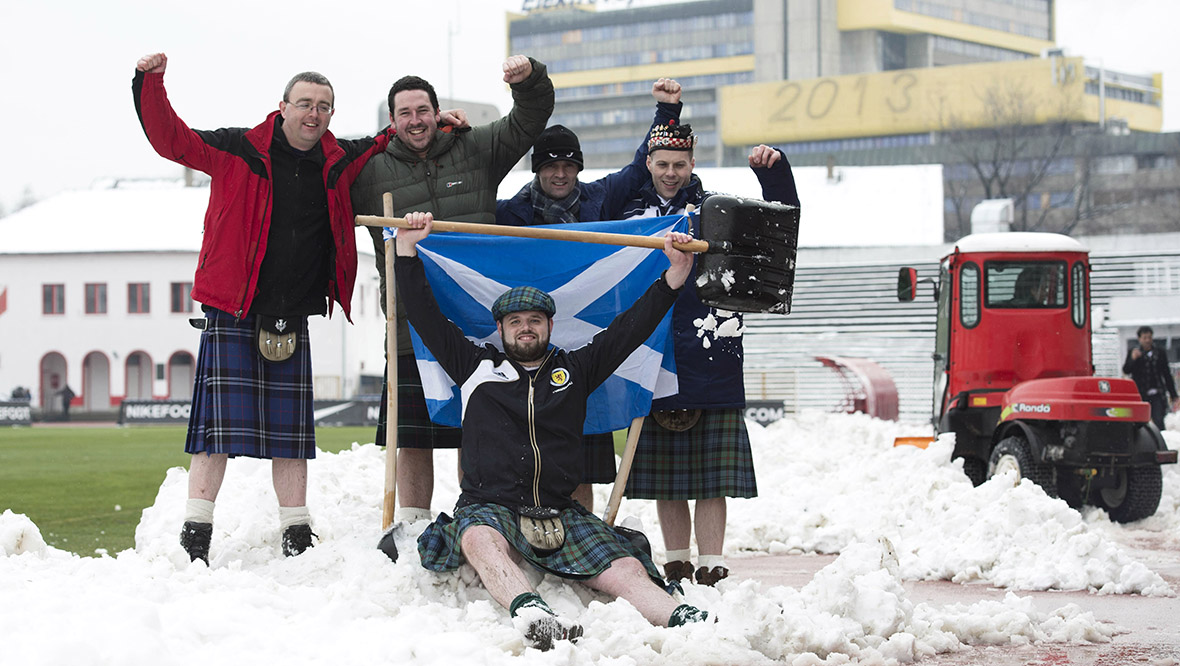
(67,396)
(1148,366)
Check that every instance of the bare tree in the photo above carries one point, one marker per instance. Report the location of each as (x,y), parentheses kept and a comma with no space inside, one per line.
(1011,149)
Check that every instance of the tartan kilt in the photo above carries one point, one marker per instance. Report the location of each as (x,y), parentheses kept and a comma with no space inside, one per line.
(244,405)
(599,461)
(711,459)
(590,544)
(415,430)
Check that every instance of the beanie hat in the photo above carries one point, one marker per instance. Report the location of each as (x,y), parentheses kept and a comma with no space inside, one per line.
(523,299)
(557,143)
(671,137)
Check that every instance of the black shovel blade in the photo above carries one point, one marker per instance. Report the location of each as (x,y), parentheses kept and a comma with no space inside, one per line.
(750,265)
(387,545)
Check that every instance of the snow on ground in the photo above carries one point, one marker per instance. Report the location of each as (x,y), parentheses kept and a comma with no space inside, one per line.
(828,483)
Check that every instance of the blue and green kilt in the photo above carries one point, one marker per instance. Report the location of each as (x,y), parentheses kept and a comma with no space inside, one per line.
(415,430)
(244,405)
(710,459)
(590,544)
(599,458)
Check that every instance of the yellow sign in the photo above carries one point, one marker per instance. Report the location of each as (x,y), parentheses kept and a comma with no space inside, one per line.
(910,101)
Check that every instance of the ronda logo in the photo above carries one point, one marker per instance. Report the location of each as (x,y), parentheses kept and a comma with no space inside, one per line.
(1022,408)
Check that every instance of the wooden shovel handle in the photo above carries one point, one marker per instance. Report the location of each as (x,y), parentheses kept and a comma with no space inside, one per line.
(616,493)
(537,232)
(389,498)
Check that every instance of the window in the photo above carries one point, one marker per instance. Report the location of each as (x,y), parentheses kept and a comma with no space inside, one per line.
(1078,294)
(96,298)
(139,298)
(180,297)
(969,295)
(53,299)
(1025,284)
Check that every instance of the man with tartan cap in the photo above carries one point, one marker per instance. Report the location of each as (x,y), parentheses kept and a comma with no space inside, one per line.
(556,195)
(523,410)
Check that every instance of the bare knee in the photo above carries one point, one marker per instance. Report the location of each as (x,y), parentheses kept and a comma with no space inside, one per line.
(479,539)
(629,567)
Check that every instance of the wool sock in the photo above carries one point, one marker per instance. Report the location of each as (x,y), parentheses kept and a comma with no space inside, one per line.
(293,515)
(528,600)
(411,514)
(679,555)
(710,561)
(198,511)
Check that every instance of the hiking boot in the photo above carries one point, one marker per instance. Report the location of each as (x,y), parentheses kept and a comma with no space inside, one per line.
(195,538)
(296,539)
(711,576)
(678,570)
(543,629)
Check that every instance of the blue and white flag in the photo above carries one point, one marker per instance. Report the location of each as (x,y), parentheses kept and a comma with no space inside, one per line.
(590,283)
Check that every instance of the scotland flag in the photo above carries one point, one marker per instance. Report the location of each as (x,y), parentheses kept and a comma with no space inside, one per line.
(590,284)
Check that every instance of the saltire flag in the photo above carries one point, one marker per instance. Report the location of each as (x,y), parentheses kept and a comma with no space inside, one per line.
(590,284)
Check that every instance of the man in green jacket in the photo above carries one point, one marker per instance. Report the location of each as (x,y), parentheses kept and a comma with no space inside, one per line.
(453,175)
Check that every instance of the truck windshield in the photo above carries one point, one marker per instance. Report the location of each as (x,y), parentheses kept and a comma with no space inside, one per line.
(1025,284)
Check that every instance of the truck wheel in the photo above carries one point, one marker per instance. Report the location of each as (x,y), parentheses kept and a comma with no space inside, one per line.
(976,470)
(1014,453)
(1136,497)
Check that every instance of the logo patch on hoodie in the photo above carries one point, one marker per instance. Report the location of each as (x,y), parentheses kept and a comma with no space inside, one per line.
(560,378)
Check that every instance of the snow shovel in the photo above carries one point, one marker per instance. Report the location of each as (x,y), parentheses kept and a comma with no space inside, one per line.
(747,259)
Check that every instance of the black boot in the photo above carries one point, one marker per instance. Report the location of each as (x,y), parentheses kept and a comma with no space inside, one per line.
(195,538)
(296,539)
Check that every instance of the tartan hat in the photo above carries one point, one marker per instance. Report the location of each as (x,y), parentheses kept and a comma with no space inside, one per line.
(557,143)
(523,299)
(672,136)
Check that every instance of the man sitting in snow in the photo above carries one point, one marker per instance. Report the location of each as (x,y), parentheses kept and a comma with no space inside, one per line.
(523,410)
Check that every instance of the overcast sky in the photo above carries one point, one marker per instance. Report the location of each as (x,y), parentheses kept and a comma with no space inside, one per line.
(66,66)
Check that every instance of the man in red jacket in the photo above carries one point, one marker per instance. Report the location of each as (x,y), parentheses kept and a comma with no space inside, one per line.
(278,247)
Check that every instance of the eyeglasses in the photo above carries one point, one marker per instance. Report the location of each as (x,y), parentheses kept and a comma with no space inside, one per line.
(561,156)
(323,107)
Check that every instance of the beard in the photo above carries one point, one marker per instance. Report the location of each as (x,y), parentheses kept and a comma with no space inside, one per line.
(529,352)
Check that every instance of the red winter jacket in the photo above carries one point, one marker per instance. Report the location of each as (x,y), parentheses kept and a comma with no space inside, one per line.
(238,218)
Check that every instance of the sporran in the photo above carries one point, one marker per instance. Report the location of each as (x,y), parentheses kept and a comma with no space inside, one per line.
(677,420)
(276,338)
(542,528)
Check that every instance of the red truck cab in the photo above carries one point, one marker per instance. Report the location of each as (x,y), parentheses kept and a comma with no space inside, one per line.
(1014,376)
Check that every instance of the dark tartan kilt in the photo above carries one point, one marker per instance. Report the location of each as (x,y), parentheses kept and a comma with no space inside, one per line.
(244,405)
(711,459)
(599,459)
(590,544)
(415,430)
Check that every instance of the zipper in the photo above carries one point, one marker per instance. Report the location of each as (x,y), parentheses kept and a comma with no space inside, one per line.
(261,223)
(533,433)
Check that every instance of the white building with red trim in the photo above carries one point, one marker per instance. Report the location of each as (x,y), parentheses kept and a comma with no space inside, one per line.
(94,295)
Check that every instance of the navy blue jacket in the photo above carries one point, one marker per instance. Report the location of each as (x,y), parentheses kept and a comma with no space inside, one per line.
(709,366)
(602,199)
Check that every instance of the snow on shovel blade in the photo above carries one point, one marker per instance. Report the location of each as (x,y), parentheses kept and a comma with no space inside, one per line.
(750,265)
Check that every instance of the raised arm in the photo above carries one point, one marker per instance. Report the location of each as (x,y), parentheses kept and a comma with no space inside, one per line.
(623,185)
(455,353)
(510,137)
(168,134)
(773,170)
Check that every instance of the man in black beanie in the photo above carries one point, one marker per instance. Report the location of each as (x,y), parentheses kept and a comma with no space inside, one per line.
(556,196)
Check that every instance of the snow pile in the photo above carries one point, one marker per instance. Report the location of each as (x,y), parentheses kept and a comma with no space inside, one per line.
(828,483)
(831,480)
